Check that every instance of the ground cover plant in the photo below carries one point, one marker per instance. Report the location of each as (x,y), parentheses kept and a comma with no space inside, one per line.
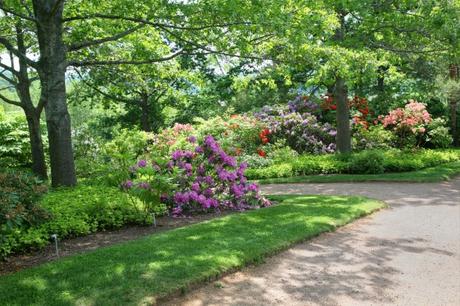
(142,270)
(365,162)
(439,173)
(64,212)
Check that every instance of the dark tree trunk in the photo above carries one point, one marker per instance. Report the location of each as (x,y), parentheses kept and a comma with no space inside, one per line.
(36,142)
(454,75)
(32,113)
(145,115)
(52,69)
(343,137)
(381,79)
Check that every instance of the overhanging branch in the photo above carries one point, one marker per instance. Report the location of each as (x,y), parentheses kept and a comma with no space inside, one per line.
(76,63)
(156,24)
(84,44)
(16,52)
(14,13)
(9,101)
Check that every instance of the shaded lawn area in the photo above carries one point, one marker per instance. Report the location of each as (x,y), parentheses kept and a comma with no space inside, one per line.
(435,174)
(139,271)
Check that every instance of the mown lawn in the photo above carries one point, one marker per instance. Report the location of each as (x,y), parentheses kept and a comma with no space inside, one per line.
(435,174)
(140,271)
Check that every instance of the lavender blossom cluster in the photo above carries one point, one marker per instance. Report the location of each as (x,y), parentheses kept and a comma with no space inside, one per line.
(298,125)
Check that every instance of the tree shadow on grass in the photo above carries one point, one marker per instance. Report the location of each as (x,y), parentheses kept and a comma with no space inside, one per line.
(320,272)
(137,271)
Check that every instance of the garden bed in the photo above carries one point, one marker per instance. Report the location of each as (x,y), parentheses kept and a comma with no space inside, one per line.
(429,175)
(96,240)
(157,266)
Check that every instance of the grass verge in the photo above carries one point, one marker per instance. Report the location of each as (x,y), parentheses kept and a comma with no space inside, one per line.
(435,174)
(141,271)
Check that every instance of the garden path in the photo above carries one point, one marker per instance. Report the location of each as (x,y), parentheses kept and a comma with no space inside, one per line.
(408,254)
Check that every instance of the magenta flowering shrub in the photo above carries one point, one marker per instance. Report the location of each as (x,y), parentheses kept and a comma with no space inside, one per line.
(201,180)
(408,124)
(211,180)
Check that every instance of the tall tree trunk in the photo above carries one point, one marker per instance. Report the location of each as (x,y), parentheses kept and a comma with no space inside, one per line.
(32,113)
(52,69)
(453,103)
(36,142)
(343,137)
(145,115)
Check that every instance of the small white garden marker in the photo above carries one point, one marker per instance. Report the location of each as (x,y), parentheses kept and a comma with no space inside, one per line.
(55,238)
(154,220)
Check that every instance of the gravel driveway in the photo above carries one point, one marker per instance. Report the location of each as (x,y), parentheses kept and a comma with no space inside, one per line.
(408,254)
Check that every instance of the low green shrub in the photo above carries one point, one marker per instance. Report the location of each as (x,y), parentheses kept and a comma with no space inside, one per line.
(76,212)
(364,162)
(367,162)
(318,164)
(404,161)
(14,142)
(438,135)
(280,170)
(19,194)
(375,137)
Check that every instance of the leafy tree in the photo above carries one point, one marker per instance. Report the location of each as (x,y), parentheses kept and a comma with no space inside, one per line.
(70,33)
(17,75)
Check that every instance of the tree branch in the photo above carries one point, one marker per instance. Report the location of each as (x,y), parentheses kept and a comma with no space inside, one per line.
(406,51)
(12,12)
(16,52)
(210,51)
(155,24)
(9,101)
(9,69)
(107,95)
(84,44)
(76,63)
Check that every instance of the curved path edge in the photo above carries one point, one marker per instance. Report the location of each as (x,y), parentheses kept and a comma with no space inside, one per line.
(408,254)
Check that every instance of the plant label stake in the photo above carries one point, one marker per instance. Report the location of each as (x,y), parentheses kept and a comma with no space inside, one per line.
(54,237)
(154,220)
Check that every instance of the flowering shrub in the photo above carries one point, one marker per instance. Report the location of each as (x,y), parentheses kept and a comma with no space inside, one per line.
(148,184)
(201,180)
(374,137)
(408,123)
(302,131)
(303,104)
(437,135)
(237,134)
(172,138)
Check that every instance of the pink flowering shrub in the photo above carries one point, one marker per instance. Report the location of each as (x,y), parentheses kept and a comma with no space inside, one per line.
(408,124)
(200,180)
(167,139)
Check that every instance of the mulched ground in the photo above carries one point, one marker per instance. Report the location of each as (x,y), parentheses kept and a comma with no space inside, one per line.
(100,239)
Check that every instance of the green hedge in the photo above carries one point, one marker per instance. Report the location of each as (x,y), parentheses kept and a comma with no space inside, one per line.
(364,162)
(75,212)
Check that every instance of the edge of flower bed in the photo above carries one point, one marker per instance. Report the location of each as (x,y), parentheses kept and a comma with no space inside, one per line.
(434,175)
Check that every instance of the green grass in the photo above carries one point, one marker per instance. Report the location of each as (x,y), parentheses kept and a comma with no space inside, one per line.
(140,271)
(434,174)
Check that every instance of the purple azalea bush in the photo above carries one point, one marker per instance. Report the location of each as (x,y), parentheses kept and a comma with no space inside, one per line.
(299,125)
(205,179)
(211,180)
